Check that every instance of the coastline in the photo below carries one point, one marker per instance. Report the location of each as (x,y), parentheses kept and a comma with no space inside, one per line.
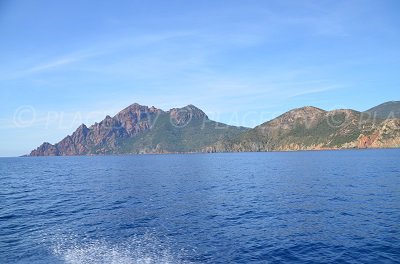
(216,152)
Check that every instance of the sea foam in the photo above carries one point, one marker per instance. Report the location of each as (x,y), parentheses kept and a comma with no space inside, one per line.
(146,249)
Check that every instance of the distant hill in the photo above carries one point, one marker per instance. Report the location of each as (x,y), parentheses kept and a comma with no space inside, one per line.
(386,110)
(141,129)
(311,128)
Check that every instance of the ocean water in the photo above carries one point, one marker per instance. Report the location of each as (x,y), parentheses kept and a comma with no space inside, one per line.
(282,207)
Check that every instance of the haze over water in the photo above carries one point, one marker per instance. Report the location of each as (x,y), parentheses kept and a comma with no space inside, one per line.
(296,207)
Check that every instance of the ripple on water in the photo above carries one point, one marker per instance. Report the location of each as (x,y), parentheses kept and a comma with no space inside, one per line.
(303,207)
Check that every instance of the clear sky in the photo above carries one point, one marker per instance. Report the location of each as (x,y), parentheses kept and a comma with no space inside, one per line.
(64,63)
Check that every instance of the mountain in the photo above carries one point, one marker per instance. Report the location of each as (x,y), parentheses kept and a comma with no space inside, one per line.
(143,129)
(386,110)
(311,128)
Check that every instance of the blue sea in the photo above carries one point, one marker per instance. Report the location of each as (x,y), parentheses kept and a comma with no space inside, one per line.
(278,207)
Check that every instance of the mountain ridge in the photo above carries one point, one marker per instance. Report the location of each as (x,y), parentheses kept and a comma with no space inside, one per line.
(311,128)
(139,129)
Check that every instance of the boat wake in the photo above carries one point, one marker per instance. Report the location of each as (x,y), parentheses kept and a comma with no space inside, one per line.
(144,250)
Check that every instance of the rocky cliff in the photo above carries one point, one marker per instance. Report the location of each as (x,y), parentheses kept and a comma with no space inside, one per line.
(102,137)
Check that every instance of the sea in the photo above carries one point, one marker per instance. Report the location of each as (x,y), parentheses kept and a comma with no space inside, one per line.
(274,207)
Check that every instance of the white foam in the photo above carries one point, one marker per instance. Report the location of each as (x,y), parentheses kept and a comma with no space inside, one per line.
(144,250)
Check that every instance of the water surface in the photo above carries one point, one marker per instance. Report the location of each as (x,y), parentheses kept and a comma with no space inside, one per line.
(296,207)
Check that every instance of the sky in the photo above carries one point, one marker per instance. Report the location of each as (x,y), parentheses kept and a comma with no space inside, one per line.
(64,63)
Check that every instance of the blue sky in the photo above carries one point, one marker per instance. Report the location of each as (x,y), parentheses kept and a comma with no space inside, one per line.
(242,62)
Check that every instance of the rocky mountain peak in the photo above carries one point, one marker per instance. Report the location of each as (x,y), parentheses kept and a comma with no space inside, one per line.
(136,118)
(81,132)
(135,108)
(306,115)
(185,114)
(194,111)
(82,127)
(305,111)
(135,111)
